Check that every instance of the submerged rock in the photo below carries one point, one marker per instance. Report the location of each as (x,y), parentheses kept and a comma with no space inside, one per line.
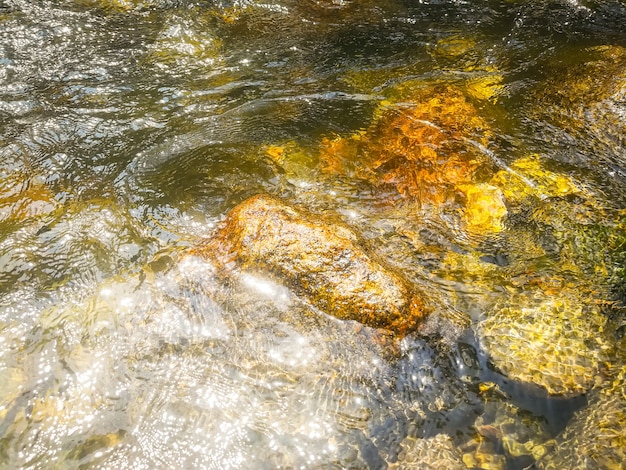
(595,437)
(555,343)
(505,432)
(429,454)
(426,147)
(317,260)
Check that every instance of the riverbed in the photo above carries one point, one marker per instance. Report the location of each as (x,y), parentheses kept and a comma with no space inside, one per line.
(476,148)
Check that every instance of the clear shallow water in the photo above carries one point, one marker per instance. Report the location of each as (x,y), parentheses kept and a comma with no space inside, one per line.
(126,133)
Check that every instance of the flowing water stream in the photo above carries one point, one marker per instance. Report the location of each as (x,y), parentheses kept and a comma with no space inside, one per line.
(129,128)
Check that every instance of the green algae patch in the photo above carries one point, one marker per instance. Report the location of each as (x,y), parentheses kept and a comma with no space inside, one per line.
(555,342)
(320,261)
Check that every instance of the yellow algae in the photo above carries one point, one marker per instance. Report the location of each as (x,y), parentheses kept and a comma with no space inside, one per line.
(485,86)
(453,46)
(22,198)
(484,208)
(515,184)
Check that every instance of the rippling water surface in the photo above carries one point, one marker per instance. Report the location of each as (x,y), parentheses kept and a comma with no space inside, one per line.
(129,128)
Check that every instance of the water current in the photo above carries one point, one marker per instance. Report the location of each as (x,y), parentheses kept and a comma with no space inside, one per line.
(129,128)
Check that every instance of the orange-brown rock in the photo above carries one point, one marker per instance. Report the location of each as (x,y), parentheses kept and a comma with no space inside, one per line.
(422,147)
(319,261)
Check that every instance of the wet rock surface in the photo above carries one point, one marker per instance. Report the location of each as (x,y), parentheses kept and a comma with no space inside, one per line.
(321,261)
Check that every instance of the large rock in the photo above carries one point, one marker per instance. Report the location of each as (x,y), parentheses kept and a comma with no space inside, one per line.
(319,261)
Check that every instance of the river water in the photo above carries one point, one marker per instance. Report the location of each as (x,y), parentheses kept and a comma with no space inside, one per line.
(129,128)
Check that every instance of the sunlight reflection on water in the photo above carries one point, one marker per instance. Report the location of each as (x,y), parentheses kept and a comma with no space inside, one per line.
(128,129)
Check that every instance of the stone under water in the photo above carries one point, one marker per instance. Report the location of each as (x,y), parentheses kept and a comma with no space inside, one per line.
(422,147)
(595,437)
(555,344)
(320,261)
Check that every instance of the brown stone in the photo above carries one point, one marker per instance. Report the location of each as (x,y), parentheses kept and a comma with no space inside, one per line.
(426,147)
(319,261)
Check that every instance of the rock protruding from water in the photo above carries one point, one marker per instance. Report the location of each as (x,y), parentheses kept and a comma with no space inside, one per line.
(556,344)
(319,261)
